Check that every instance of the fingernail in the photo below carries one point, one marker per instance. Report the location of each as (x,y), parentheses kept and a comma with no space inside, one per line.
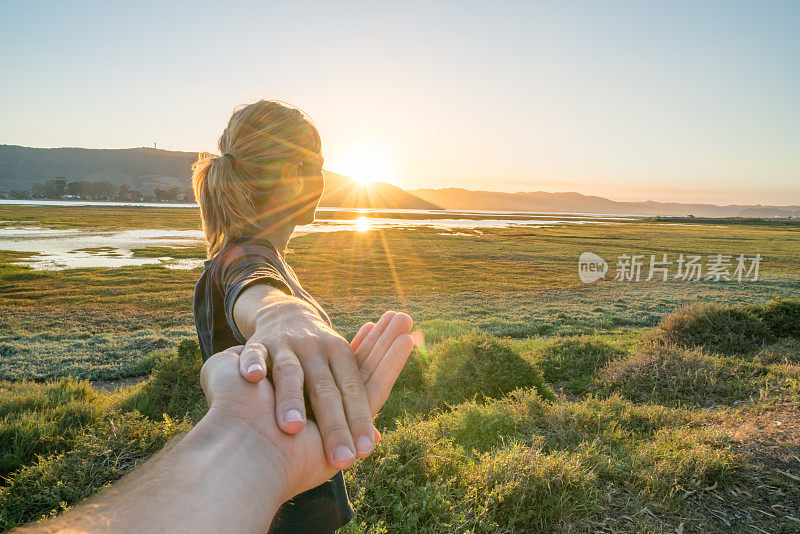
(342,453)
(255,367)
(292,416)
(364,445)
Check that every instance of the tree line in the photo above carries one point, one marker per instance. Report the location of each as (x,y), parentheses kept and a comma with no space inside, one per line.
(60,188)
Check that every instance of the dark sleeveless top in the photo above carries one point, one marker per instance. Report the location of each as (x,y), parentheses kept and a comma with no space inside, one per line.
(244,262)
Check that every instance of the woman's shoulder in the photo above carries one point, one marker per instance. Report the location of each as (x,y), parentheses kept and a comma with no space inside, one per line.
(247,247)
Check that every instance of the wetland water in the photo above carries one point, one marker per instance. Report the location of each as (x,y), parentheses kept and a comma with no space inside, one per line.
(57,248)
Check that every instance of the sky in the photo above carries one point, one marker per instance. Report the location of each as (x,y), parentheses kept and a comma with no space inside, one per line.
(670,101)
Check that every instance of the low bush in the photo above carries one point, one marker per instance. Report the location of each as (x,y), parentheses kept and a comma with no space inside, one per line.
(726,329)
(685,457)
(783,351)
(482,366)
(675,375)
(411,483)
(481,427)
(573,362)
(410,394)
(522,489)
(524,464)
(781,316)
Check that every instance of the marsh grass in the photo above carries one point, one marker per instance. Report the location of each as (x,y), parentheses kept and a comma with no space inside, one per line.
(189,252)
(635,439)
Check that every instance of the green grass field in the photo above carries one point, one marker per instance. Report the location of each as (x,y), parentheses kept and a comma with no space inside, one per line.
(538,403)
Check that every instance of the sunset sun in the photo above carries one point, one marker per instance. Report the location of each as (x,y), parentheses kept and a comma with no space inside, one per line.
(365,164)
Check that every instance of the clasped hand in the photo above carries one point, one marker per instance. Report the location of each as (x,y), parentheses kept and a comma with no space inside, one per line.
(378,353)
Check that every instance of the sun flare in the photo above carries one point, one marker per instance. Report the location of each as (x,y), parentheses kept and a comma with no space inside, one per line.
(362,224)
(365,164)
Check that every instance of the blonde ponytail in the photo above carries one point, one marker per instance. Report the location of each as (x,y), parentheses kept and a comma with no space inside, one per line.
(234,188)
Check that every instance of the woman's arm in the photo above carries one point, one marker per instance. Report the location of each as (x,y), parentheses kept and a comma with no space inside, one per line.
(307,355)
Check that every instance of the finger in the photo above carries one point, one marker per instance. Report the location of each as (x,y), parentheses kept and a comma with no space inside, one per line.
(365,347)
(354,397)
(400,324)
(253,362)
(287,379)
(326,401)
(361,334)
(380,383)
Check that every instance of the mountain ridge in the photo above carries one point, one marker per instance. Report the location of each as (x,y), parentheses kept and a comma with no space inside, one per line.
(148,168)
(543,201)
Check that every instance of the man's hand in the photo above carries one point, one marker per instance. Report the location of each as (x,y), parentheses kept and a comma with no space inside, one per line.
(300,459)
(304,355)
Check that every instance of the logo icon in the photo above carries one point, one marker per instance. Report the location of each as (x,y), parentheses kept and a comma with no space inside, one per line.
(591,267)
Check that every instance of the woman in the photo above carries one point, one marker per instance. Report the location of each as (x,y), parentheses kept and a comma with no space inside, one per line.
(267,180)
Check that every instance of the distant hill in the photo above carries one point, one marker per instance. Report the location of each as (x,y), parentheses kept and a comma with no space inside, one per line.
(541,201)
(145,169)
(341,191)
(141,168)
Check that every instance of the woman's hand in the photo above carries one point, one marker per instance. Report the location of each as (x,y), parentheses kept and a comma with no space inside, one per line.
(299,460)
(305,354)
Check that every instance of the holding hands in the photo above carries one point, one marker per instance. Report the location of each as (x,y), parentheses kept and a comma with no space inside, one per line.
(305,455)
(236,467)
(307,360)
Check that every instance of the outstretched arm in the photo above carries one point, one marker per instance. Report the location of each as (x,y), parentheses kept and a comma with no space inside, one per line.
(233,470)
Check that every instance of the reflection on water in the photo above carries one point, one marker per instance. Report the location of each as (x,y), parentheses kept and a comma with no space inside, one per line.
(362,224)
(72,249)
(76,248)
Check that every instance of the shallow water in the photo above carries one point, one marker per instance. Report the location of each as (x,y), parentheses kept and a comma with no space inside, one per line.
(57,249)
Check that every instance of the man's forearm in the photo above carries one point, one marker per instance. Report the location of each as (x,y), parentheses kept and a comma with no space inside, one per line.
(221,477)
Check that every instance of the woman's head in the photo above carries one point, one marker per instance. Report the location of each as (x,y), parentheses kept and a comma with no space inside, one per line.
(268,174)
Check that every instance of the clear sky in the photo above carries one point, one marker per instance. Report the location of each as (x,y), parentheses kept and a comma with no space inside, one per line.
(629,100)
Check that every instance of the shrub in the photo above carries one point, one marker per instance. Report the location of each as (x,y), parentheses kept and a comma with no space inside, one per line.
(783,351)
(174,389)
(480,427)
(480,365)
(573,362)
(782,317)
(102,454)
(410,483)
(718,328)
(409,395)
(688,457)
(522,489)
(674,375)
(412,377)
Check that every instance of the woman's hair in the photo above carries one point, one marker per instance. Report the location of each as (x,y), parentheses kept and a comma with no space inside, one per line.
(234,188)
